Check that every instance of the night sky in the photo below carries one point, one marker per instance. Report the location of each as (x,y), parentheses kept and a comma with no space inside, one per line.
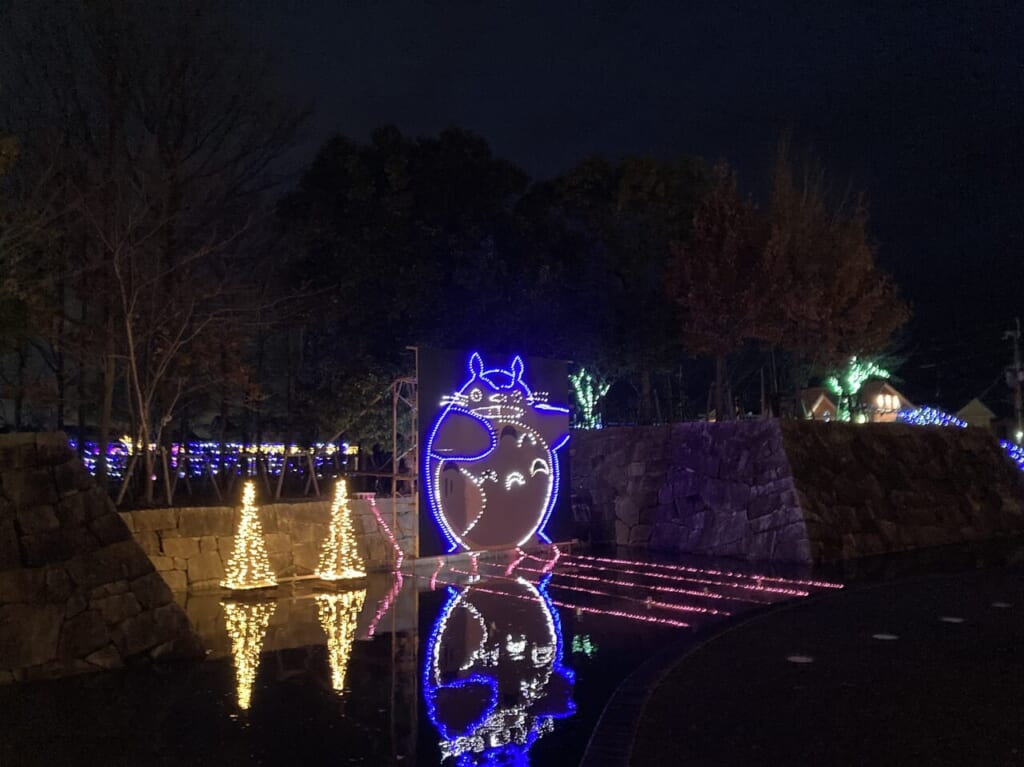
(920,105)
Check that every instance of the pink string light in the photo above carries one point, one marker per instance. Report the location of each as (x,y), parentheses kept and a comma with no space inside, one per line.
(704,571)
(647,602)
(385,604)
(578,608)
(662,589)
(694,579)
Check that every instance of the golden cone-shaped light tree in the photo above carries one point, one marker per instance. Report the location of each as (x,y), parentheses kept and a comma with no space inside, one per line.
(338,616)
(249,566)
(246,623)
(339,557)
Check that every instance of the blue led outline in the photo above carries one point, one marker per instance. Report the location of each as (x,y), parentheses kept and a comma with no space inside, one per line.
(430,687)
(556,619)
(557,666)
(433,486)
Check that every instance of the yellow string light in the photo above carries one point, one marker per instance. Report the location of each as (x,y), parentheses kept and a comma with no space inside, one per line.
(247,624)
(249,566)
(339,557)
(338,616)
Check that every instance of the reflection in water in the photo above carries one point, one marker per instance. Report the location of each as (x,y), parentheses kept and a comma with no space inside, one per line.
(338,616)
(247,624)
(493,675)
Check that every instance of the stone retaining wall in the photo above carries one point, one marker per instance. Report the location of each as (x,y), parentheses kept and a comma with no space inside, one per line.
(190,546)
(76,592)
(794,491)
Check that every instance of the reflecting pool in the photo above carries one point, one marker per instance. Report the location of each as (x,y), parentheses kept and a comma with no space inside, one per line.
(502,659)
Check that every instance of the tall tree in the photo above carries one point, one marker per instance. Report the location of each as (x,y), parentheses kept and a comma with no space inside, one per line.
(627,214)
(409,240)
(838,303)
(166,129)
(726,279)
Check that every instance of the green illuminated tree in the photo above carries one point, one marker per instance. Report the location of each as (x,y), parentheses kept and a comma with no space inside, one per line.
(846,382)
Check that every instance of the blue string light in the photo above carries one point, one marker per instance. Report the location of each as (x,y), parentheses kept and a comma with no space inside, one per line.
(1015,451)
(929,416)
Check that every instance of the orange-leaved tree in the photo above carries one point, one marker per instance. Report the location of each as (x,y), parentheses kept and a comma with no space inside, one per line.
(726,278)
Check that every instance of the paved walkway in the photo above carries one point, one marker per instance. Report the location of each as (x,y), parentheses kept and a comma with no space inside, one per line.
(922,671)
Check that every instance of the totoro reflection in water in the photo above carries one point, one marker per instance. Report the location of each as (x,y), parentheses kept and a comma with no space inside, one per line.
(493,677)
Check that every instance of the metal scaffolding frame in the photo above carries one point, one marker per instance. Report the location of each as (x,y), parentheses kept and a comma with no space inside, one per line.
(405,437)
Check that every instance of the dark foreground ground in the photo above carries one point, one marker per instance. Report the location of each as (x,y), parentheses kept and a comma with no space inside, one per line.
(924,670)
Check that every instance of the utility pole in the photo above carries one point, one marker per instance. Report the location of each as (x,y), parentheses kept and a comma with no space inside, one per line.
(1018,380)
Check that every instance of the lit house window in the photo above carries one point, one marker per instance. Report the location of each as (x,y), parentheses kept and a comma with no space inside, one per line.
(888,402)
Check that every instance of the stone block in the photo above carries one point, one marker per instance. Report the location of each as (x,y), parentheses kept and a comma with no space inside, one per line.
(205,567)
(225,545)
(72,476)
(151,591)
(71,509)
(29,487)
(640,535)
(28,634)
(106,658)
(155,519)
(37,519)
(149,542)
(281,562)
(118,608)
(10,552)
(76,603)
(186,548)
(128,518)
(58,585)
(52,448)
(180,563)
(118,560)
(621,533)
(277,543)
(162,564)
(97,503)
(109,529)
(305,557)
(52,546)
(626,510)
(207,543)
(200,522)
(18,450)
(23,585)
(150,629)
(83,634)
(176,580)
(113,588)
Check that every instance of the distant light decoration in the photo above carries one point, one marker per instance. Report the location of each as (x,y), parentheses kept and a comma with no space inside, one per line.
(588,390)
(1016,453)
(493,676)
(847,382)
(491,459)
(246,625)
(339,557)
(582,644)
(249,566)
(201,457)
(929,416)
(338,615)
